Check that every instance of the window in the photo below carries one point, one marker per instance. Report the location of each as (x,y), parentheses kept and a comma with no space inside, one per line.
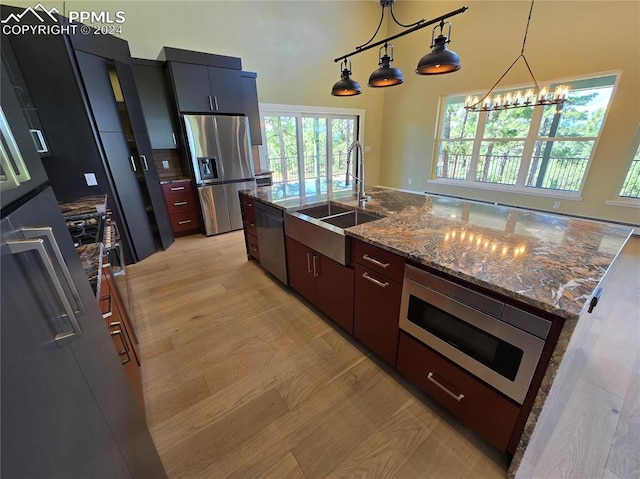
(532,150)
(308,149)
(631,185)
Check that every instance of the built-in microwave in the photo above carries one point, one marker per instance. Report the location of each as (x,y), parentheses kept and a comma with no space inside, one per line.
(496,342)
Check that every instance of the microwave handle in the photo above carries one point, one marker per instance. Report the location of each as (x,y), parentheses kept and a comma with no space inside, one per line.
(37,245)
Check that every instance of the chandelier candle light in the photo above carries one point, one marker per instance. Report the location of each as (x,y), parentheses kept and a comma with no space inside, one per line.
(439,60)
(531,97)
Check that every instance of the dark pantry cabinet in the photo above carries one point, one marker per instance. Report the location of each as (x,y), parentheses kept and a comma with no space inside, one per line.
(89,106)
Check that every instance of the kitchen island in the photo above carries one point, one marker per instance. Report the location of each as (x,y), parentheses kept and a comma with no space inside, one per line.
(548,262)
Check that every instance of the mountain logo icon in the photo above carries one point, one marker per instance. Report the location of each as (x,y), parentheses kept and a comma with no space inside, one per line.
(39,11)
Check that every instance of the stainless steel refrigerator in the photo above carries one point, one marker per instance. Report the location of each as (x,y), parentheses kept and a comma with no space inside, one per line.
(222,165)
(68,410)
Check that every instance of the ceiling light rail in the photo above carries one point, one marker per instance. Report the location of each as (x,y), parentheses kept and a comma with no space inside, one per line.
(440,60)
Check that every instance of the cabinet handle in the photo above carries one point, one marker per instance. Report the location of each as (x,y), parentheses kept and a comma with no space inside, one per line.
(181,203)
(38,139)
(37,245)
(457,397)
(210,103)
(184,222)
(38,232)
(133,164)
(251,225)
(177,188)
(125,350)
(315,268)
(368,258)
(109,313)
(308,262)
(144,162)
(366,276)
(173,137)
(215,102)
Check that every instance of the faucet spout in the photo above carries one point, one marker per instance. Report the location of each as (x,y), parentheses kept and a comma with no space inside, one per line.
(361,195)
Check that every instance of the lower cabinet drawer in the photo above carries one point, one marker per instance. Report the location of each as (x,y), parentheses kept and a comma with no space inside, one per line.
(180,202)
(252,243)
(187,221)
(481,408)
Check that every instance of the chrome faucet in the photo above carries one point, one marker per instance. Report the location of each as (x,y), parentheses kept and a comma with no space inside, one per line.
(361,195)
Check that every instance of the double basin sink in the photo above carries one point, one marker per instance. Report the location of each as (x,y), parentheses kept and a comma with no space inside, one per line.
(321,227)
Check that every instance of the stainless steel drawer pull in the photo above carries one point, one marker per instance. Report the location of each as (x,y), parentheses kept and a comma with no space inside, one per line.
(181,203)
(210,103)
(109,313)
(173,137)
(37,245)
(184,222)
(315,267)
(38,139)
(125,351)
(215,102)
(366,276)
(177,188)
(457,397)
(133,163)
(144,162)
(252,225)
(368,258)
(308,262)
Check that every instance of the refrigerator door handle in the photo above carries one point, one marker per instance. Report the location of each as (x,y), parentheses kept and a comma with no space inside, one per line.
(37,245)
(46,231)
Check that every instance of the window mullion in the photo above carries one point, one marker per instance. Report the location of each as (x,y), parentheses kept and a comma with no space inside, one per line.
(529,144)
(482,121)
(300,150)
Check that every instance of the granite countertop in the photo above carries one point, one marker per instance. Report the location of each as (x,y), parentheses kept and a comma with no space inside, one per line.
(84,208)
(91,259)
(551,262)
(175,180)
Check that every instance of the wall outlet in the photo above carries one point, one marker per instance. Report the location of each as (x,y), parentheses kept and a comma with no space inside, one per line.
(90,178)
(409,181)
(556,205)
(165,164)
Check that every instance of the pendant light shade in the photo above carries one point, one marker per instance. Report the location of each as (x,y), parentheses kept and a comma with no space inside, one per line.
(441,59)
(346,86)
(386,75)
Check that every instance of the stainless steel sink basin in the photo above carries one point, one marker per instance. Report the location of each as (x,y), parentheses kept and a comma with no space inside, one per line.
(321,227)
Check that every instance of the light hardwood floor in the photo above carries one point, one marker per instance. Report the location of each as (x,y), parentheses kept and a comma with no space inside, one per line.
(244,379)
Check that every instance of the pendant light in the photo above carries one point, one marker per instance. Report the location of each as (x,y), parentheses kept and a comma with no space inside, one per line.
(386,75)
(346,86)
(441,59)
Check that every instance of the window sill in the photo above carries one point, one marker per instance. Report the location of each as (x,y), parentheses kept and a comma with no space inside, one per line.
(509,189)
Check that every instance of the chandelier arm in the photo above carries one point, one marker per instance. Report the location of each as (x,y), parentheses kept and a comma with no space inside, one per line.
(526,31)
(401,34)
(486,95)
(531,73)
(374,33)
(402,24)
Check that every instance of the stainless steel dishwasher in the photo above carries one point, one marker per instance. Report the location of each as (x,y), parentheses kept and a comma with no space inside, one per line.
(270,226)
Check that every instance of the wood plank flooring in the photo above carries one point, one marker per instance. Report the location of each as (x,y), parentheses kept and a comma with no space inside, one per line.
(242,379)
(590,426)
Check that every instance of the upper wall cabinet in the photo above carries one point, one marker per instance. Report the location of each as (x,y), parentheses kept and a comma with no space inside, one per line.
(205,83)
(250,91)
(159,113)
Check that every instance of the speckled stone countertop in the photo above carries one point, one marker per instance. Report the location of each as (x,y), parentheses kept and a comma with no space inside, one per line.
(83,208)
(551,262)
(91,259)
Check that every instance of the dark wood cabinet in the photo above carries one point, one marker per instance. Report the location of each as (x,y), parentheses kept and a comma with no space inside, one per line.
(159,113)
(251,109)
(121,331)
(182,207)
(205,89)
(248,211)
(324,282)
(477,405)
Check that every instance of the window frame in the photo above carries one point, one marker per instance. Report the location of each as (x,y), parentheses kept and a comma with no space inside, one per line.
(529,143)
(624,200)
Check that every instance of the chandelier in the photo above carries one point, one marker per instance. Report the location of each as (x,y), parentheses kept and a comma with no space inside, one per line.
(439,60)
(530,97)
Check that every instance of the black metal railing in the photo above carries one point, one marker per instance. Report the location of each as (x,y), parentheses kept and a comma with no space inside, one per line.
(631,185)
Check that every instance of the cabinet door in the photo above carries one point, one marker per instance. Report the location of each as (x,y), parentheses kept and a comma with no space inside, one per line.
(156,104)
(226,90)
(250,93)
(377,308)
(300,269)
(150,187)
(334,290)
(192,86)
(131,202)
